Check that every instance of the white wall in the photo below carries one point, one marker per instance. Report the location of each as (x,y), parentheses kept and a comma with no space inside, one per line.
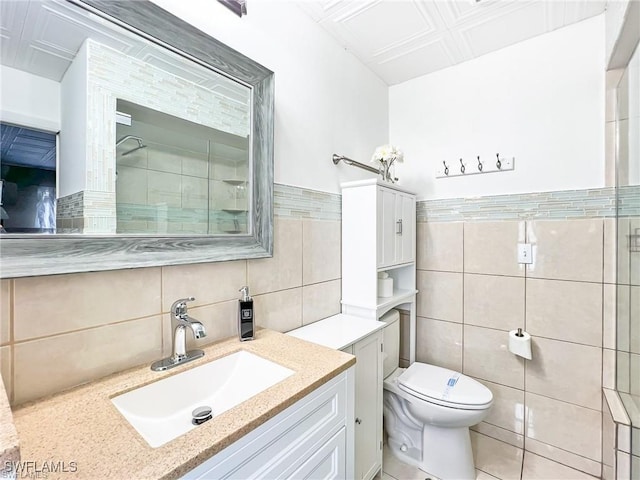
(628,123)
(540,101)
(326,101)
(28,100)
(72,169)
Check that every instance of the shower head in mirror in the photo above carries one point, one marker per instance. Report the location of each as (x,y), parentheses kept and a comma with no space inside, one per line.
(131,137)
(124,154)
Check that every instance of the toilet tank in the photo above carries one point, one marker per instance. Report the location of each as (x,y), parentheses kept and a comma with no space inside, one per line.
(391,341)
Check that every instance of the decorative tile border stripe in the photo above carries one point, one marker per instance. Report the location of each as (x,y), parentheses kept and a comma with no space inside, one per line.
(70,213)
(564,204)
(629,201)
(299,202)
(70,206)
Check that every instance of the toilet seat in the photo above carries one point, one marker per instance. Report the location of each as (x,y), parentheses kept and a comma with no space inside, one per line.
(444,387)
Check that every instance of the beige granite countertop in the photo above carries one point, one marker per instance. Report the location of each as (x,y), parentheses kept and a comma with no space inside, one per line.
(9,443)
(83,429)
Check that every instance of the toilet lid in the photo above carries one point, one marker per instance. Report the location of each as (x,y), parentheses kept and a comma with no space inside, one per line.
(444,387)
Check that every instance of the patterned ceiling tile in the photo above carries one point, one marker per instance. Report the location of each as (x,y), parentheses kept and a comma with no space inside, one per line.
(12,17)
(359,25)
(486,34)
(26,147)
(420,60)
(445,32)
(455,12)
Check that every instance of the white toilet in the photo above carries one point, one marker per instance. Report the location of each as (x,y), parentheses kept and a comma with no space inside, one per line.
(428,411)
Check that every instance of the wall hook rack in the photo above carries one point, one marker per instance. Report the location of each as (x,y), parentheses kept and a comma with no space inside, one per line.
(502,164)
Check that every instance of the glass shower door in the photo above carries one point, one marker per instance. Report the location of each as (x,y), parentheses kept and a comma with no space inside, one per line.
(628,251)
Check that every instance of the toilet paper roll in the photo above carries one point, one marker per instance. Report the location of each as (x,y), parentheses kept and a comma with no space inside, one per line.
(385,287)
(520,345)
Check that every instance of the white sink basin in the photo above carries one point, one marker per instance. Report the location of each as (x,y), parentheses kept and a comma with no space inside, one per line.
(162,411)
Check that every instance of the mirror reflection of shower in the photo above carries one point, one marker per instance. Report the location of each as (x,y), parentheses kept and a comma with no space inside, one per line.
(174,176)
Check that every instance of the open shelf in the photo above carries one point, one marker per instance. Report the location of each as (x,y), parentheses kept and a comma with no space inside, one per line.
(399,296)
(233,181)
(234,210)
(394,267)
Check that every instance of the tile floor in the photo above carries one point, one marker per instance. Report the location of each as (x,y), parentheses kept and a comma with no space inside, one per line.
(494,460)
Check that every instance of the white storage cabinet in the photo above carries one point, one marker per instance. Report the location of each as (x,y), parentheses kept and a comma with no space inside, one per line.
(368,405)
(378,235)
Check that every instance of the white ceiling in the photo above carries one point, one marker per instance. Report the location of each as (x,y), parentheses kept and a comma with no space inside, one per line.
(397,39)
(42,37)
(403,39)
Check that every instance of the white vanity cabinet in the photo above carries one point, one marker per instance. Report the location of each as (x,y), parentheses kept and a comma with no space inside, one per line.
(362,338)
(313,438)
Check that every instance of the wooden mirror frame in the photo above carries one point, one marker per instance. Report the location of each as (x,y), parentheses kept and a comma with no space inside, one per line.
(24,255)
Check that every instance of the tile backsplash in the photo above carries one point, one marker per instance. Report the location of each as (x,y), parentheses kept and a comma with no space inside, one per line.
(466,312)
(563,204)
(64,330)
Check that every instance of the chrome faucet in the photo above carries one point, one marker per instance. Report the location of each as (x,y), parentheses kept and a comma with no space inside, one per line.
(180,321)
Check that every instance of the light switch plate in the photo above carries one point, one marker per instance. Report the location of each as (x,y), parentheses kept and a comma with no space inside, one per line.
(525,254)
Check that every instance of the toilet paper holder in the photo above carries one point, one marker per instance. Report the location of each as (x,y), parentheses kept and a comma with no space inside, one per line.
(520,343)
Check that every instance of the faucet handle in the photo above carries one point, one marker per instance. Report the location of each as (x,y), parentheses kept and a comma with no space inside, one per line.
(179,307)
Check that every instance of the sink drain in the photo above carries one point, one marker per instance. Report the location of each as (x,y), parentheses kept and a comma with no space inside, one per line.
(201,415)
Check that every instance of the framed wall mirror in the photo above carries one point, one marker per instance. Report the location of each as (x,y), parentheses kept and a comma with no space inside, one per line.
(129,139)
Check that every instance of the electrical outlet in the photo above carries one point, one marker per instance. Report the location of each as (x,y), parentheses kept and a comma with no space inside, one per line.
(525,253)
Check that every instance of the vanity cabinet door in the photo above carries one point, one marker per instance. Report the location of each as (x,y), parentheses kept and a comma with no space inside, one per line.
(328,462)
(303,439)
(368,406)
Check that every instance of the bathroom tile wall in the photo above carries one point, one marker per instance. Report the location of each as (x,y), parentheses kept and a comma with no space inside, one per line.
(60,331)
(473,291)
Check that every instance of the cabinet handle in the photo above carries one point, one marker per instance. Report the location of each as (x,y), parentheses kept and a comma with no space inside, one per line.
(399,227)
(358,421)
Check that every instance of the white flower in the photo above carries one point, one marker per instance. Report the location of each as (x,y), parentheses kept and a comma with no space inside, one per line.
(387,153)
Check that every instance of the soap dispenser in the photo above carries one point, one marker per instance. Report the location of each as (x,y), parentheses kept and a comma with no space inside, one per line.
(245,315)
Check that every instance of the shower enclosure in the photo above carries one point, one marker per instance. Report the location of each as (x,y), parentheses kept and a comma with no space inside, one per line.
(628,249)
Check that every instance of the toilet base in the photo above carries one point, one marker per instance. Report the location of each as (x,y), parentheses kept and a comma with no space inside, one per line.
(446,453)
